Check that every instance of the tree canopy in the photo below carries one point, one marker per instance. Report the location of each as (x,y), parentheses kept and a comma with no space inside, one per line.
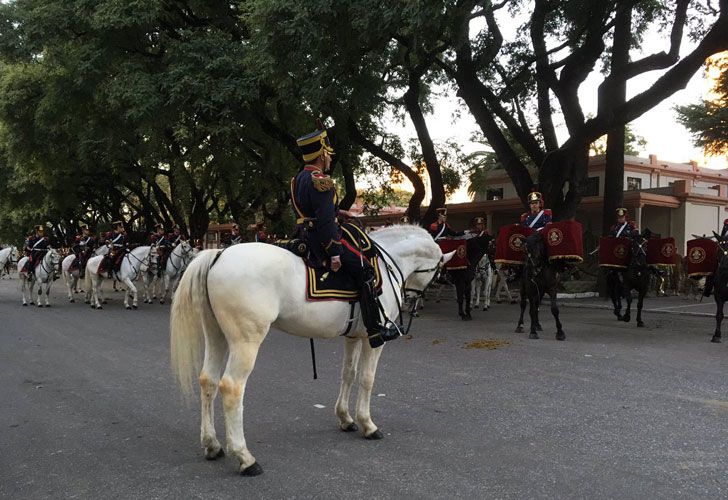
(185,111)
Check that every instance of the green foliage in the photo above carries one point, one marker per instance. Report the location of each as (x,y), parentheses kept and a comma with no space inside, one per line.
(707,121)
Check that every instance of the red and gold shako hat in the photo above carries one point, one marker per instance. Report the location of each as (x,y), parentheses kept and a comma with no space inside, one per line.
(313,145)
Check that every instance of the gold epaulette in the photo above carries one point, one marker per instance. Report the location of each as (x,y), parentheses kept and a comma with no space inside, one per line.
(321,181)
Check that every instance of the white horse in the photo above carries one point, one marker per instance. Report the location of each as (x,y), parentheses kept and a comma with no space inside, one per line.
(130,269)
(71,277)
(44,275)
(8,257)
(177,262)
(482,284)
(233,298)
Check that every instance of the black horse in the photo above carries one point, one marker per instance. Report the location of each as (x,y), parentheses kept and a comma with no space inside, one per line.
(539,276)
(720,285)
(476,247)
(636,277)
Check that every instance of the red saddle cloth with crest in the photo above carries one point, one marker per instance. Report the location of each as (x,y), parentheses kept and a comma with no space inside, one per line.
(564,241)
(661,252)
(614,252)
(702,257)
(511,243)
(460,259)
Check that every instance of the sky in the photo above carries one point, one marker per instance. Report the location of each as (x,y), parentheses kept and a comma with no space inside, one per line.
(664,135)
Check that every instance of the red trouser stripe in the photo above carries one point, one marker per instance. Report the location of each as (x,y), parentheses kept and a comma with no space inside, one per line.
(354,250)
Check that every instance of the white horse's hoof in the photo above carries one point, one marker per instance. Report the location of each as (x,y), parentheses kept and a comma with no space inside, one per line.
(24,304)
(251,470)
(72,301)
(98,308)
(375,435)
(128,307)
(162,302)
(135,306)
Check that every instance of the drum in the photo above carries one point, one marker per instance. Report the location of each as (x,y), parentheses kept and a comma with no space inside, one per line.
(460,259)
(614,252)
(702,257)
(510,244)
(564,241)
(661,252)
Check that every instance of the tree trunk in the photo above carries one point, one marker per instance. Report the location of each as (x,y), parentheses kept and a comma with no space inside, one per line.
(613,94)
(563,179)
(437,188)
(349,187)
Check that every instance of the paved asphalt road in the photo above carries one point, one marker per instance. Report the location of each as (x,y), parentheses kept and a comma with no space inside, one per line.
(90,411)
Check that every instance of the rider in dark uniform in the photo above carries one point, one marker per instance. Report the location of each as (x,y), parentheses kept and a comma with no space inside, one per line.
(623,228)
(260,235)
(316,205)
(441,229)
(86,244)
(36,247)
(537,216)
(164,246)
(479,227)
(117,240)
(176,236)
(235,236)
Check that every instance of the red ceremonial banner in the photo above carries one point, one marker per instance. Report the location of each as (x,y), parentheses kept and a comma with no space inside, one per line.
(511,243)
(564,240)
(614,252)
(661,252)
(702,257)
(460,259)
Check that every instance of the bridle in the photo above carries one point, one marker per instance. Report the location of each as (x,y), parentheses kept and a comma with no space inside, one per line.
(185,253)
(51,253)
(402,295)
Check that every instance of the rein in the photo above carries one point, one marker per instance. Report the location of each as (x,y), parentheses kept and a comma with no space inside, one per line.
(403,290)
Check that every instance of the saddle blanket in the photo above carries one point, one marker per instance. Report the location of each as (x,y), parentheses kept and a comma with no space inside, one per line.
(323,284)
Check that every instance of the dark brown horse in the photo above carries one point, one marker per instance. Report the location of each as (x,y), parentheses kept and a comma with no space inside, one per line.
(720,285)
(636,277)
(539,277)
(476,247)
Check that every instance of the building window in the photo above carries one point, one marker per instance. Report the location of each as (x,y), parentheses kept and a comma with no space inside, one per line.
(592,186)
(634,183)
(494,194)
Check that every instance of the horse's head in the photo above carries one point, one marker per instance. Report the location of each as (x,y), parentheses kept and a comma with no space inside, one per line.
(54,257)
(477,247)
(638,256)
(722,254)
(535,250)
(415,251)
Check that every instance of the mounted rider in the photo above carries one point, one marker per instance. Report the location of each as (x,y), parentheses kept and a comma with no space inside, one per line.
(479,227)
(537,217)
(164,247)
(86,245)
(176,237)
(315,204)
(117,241)
(623,228)
(36,246)
(260,234)
(440,228)
(235,236)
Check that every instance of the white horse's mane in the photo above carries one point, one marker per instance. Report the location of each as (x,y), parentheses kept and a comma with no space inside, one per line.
(408,237)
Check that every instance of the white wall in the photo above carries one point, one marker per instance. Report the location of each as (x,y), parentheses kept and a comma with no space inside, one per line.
(701,219)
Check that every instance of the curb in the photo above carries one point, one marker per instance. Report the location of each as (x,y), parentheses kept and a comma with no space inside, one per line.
(658,311)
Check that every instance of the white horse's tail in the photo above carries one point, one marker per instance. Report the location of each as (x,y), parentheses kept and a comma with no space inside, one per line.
(191,315)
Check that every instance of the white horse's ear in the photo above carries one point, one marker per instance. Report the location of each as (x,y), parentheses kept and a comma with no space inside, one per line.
(447,256)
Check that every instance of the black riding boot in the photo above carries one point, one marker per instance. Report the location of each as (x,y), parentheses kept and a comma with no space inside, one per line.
(369,303)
